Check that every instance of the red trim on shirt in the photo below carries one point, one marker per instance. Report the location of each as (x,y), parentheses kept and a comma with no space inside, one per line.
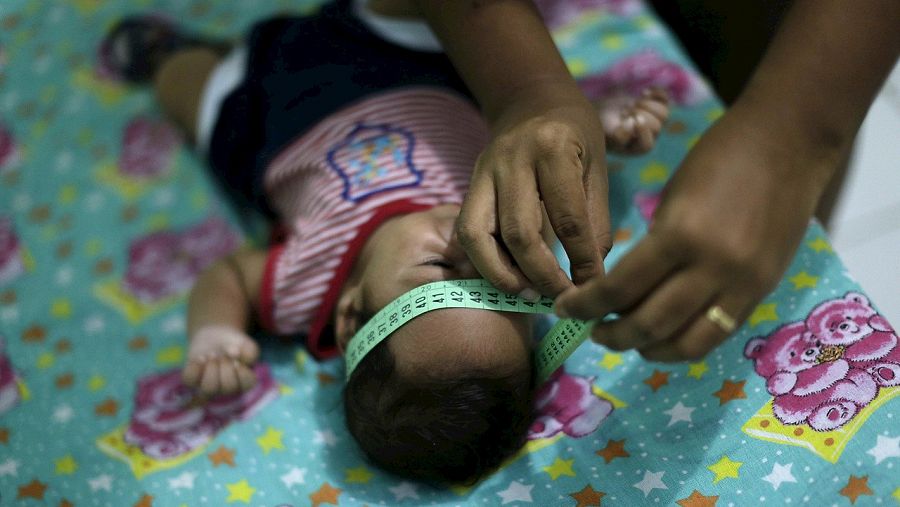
(323,346)
(267,290)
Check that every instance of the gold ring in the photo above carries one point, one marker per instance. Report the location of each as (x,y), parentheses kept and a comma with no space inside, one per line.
(719,317)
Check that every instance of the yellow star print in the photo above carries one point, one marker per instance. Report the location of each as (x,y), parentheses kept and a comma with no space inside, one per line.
(560,467)
(271,440)
(240,491)
(819,244)
(66,465)
(804,279)
(763,313)
(96,382)
(170,355)
(697,370)
(358,475)
(610,360)
(61,308)
(654,173)
(896,494)
(725,467)
(45,360)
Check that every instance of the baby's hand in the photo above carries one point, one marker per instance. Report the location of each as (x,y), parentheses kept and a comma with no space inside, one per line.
(631,124)
(220,361)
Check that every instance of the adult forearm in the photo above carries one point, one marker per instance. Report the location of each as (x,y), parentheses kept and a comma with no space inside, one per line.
(826,64)
(502,49)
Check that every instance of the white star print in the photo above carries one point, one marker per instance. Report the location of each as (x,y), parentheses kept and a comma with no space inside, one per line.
(651,481)
(885,447)
(64,275)
(295,476)
(516,492)
(63,413)
(185,481)
(404,490)
(94,324)
(780,473)
(101,482)
(327,437)
(679,413)
(174,324)
(9,467)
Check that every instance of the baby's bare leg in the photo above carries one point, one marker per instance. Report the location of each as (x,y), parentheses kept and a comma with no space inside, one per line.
(179,85)
(631,124)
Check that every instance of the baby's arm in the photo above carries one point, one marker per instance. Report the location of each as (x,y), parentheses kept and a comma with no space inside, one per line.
(220,308)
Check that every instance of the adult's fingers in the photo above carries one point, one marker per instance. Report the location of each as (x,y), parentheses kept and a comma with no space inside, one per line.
(667,310)
(630,281)
(702,334)
(474,228)
(520,218)
(571,196)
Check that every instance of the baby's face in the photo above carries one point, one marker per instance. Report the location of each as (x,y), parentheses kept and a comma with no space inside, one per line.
(419,248)
(409,251)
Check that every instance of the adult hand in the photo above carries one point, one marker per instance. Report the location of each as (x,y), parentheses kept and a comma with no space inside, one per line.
(547,149)
(726,229)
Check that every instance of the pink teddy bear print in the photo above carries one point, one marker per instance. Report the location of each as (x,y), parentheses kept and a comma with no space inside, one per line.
(566,403)
(864,337)
(807,385)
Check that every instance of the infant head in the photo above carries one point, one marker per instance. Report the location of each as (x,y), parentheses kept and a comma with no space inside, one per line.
(447,397)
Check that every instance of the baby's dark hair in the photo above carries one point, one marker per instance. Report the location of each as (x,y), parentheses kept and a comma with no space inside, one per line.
(438,430)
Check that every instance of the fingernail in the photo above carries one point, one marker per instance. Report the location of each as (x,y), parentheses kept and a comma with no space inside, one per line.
(530,295)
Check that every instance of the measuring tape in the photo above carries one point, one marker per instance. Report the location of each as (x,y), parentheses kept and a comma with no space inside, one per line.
(563,338)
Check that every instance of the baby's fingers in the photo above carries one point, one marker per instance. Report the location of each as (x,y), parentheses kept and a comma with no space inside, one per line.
(245,377)
(228,379)
(209,382)
(192,373)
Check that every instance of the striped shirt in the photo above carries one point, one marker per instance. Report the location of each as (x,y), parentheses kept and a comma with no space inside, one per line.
(390,153)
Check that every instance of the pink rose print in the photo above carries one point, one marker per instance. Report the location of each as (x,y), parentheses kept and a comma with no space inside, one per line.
(9,152)
(646,203)
(166,263)
(863,336)
(558,13)
(9,387)
(809,383)
(168,421)
(566,403)
(11,265)
(147,147)
(634,74)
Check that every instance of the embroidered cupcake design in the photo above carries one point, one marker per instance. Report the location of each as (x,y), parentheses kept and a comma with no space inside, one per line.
(374,159)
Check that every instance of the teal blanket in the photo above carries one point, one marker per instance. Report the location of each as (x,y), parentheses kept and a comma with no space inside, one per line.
(106,217)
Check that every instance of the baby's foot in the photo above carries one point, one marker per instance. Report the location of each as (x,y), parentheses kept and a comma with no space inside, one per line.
(631,124)
(220,361)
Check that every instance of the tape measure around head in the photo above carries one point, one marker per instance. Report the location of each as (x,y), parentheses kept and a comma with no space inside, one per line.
(558,344)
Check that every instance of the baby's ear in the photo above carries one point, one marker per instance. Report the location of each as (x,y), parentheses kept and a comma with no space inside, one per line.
(348,316)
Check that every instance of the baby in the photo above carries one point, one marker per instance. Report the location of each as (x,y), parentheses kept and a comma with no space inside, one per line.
(358,142)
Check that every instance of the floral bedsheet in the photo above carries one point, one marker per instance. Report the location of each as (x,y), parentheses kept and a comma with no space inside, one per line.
(106,217)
